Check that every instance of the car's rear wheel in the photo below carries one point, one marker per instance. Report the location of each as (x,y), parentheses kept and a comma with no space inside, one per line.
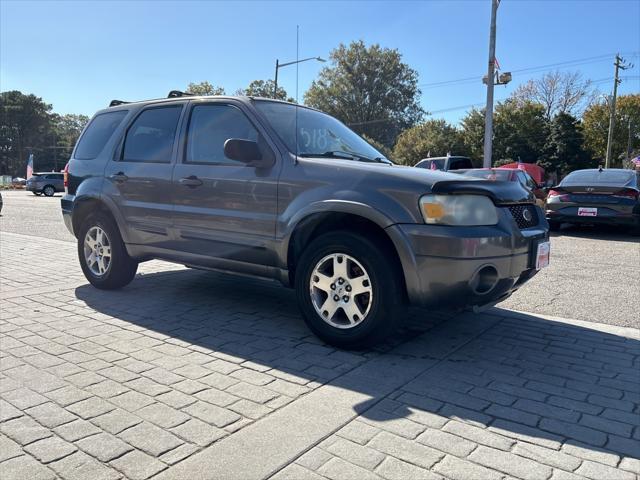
(49,190)
(349,290)
(37,193)
(102,254)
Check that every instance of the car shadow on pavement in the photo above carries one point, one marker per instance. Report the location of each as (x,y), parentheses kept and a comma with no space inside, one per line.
(598,232)
(493,378)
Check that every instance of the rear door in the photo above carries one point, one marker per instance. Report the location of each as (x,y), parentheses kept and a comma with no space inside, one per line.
(224,209)
(139,176)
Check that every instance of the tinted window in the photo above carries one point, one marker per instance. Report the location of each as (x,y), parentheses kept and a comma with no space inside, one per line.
(97,134)
(212,125)
(500,175)
(460,163)
(150,137)
(605,177)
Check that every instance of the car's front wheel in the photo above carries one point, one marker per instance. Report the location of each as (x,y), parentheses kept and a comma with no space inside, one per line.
(349,290)
(102,254)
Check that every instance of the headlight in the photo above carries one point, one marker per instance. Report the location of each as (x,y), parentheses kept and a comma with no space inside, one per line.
(461,210)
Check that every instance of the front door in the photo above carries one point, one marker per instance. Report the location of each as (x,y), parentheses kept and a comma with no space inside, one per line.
(139,177)
(223,209)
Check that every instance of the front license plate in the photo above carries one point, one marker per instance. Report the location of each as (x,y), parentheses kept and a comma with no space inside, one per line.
(542,256)
(587,212)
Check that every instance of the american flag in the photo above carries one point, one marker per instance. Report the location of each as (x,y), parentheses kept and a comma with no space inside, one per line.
(30,166)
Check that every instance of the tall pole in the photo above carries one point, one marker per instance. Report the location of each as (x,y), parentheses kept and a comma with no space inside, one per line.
(488,119)
(275,86)
(612,114)
(629,142)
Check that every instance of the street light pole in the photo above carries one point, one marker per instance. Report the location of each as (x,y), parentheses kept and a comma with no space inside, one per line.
(488,119)
(280,65)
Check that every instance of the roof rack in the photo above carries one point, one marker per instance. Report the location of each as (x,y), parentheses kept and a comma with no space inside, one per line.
(178,93)
(115,103)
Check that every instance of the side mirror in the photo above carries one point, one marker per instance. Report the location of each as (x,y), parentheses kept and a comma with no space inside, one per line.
(247,151)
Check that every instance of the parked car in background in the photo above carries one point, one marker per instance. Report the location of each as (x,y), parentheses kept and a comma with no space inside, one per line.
(18,181)
(1,202)
(509,175)
(282,191)
(47,183)
(596,196)
(445,163)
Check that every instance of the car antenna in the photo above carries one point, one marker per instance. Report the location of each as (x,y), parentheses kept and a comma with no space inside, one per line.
(297,96)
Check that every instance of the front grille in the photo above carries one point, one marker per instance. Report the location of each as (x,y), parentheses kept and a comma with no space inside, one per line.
(526,216)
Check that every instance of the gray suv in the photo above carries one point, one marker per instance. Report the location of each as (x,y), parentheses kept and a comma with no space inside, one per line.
(47,183)
(276,190)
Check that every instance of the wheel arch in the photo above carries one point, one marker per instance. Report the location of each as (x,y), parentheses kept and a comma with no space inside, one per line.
(87,205)
(318,223)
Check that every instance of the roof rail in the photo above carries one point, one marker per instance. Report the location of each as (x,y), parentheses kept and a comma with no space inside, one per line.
(178,93)
(115,103)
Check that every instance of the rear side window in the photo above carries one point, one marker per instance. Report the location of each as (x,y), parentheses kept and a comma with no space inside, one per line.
(212,125)
(150,138)
(97,134)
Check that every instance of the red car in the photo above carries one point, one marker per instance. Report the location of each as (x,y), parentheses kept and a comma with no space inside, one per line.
(508,175)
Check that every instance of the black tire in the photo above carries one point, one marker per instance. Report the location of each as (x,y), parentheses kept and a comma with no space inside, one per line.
(386,307)
(49,190)
(37,193)
(122,268)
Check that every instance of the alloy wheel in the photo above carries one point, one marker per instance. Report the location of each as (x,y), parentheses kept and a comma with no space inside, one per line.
(97,251)
(341,290)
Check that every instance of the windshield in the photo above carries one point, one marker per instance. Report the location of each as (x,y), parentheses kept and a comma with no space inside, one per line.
(317,133)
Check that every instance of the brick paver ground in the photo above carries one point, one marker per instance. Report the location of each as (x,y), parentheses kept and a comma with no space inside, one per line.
(188,374)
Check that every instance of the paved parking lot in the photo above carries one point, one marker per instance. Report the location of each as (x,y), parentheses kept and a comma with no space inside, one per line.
(188,374)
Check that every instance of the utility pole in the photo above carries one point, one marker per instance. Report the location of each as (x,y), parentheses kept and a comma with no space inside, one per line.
(488,119)
(620,65)
(275,85)
(629,142)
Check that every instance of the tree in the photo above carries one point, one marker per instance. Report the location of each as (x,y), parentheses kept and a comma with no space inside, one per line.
(431,138)
(596,128)
(384,150)
(564,146)
(370,89)
(557,92)
(66,130)
(520,131)
(264,88)
(25,126)
(204,88)
(472,133)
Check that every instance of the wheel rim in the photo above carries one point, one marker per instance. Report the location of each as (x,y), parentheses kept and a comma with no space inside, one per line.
(341,291)
(97,251)
(48,191)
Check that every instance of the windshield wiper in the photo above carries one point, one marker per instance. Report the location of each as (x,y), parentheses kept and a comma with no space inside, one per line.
(346,156)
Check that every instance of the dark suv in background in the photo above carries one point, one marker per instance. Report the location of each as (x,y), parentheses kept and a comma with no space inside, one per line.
(276,190)
(47,183)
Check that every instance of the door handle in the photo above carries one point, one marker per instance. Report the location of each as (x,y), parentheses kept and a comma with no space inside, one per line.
(191,181)
(119,177)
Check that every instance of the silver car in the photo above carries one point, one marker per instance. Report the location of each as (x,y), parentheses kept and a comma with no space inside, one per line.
(47,182)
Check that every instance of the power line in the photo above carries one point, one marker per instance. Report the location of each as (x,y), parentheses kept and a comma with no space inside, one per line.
(567,63)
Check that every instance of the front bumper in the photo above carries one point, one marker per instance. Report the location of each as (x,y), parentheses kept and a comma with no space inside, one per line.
(442,264)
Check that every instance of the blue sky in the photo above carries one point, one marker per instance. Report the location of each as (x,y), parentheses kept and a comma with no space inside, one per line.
(80,55)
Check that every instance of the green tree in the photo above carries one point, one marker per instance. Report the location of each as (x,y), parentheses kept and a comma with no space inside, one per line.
(520,132)
(472,133)
(564,146)
(264,88)
(432,138)
(204,88)
(66,130)
(25,126)
(370,89)
(596,128)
